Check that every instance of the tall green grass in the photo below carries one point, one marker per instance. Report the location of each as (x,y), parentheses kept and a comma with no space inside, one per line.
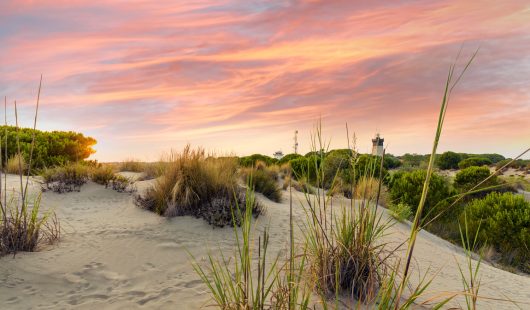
(23,226)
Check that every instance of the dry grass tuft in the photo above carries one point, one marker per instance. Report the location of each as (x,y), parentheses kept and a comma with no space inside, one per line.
(193,184)
(14,163)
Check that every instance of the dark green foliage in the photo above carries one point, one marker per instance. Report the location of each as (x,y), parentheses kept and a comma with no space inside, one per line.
(474,161)
(305,167)
(264,181)
(448,160)
(51,148)
(391,162)
(368,165)
(406,187)
(414,160)
(495,158)
(249,161)
(516,164)
(287,158)
(469,177)
(336,163)
(504,221)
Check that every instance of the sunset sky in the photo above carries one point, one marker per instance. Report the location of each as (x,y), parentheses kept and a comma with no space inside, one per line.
(240,77)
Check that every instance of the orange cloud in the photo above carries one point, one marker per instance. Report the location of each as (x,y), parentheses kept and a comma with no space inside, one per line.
(241,76)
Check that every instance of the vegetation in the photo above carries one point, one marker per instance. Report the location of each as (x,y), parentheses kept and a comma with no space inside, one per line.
(250,161)
(407,188)
(474,161)
(102,175)
(263,180)
(516,164)
(504,220)
(66,178)
(287,158)
(48,149)
(448,160)
(193,184)
(468,177)
(16,165)
(131,165)
(401,211)
(23,226)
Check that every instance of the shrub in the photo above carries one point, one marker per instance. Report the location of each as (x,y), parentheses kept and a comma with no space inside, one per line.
(14,163)
(263,180)
(153,170)
(516,164)
(250,161)
(391,162)
(51,148)
(305,167)
(504,221)
(401,211)
(448,160)
(122,184)
(65,178)
(24,229)
(102,175)
(472,176)
(192,184)
(414,160)
(335,164)
(474,161)
(406,187)
(287,158)
(132,165)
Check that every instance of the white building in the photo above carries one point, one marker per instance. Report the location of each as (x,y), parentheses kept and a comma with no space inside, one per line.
(278,155)
(377,145)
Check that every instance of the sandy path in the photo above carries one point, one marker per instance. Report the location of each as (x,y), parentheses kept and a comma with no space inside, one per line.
(114,255)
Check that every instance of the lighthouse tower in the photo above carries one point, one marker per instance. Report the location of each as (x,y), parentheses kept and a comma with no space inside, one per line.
(377,145)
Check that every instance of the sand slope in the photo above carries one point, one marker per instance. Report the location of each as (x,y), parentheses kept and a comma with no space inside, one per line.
(114,255)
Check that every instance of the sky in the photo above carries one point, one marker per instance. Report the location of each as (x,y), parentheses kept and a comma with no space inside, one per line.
(239,77)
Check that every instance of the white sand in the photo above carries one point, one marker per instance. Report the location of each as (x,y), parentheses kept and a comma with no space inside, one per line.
(114,255)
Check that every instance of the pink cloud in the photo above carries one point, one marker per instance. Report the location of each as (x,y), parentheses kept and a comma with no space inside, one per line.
(242,76)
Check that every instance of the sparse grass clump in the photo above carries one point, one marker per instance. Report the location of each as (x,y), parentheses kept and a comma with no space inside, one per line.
(131,165)
(102,175)
(67,178)
(193,184)
(16,164)
(22,228)
(122,184)
(263,180)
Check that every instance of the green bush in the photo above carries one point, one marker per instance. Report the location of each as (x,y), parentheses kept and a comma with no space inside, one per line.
(335,164)
(414,160)
(474,161)
(471,176)
(265,181)
(287,158)
(516,164)
(391,162)
(504,221)
(406,187)
(448,160)
(249,161)
(400,211)
(51,148)
(305,167)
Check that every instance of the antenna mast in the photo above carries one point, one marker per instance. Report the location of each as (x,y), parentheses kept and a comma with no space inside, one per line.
(296,141)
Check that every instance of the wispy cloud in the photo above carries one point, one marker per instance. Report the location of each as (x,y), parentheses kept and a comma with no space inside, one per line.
(241,76)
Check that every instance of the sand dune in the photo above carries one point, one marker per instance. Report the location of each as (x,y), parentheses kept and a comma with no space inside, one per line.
(114,255)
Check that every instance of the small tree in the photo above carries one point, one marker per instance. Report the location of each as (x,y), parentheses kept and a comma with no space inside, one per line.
(449,160)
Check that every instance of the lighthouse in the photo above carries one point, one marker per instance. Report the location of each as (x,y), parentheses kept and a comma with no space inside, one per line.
(377,145)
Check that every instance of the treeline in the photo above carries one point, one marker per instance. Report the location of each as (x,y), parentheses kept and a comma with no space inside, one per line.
(52,148)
